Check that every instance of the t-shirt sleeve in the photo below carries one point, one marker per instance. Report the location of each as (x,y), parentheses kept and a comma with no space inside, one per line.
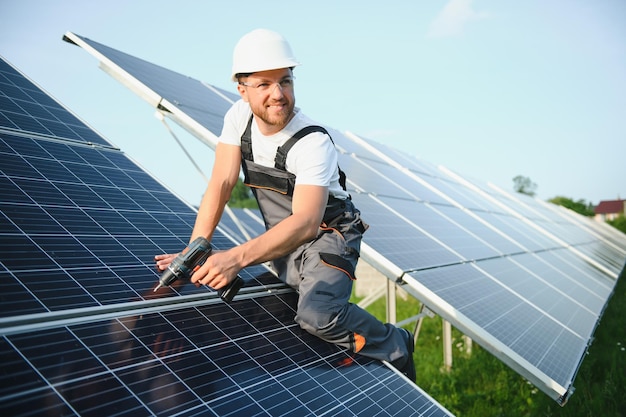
(232,129)
(314,160)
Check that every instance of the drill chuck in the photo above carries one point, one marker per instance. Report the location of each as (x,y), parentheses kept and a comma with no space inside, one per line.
(185,264)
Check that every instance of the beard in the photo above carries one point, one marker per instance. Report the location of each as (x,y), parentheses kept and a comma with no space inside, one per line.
(278,118)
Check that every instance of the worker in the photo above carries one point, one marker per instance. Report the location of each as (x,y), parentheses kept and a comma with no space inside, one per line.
(313,230)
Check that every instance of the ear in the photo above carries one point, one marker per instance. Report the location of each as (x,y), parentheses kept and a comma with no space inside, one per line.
(242,92)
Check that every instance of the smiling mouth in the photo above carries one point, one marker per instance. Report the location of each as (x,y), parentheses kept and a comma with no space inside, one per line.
(280,104)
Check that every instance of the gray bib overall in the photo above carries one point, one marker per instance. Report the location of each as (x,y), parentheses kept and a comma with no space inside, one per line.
(321,270)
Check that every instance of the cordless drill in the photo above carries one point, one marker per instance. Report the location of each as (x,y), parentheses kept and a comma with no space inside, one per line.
(185,264)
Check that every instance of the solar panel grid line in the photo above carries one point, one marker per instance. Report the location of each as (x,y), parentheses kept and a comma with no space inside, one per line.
(534,225)
(470,213)
(412,163)
(379,183)
(561,290)
(390,237)
(586,275)
(515,228)
(467,326)
(85,239)
(417,227)
(480,227)
(65,177)
(34,392)
(605,255)
(52,319)
(569,285)
(480,248)
(569,230)
(104,373)
(529,301)
(52,264)
(162,362)
(34,100)
(599,230)
(395,164)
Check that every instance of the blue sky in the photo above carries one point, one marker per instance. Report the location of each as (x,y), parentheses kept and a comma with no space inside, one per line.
(488,88)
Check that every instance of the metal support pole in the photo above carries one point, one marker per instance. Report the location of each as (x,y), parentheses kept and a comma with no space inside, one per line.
(391,302)
(447,345)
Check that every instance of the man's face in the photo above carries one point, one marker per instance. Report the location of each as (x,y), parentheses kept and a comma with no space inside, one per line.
(271,98)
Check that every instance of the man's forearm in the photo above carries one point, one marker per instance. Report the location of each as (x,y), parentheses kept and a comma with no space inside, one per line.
(280,240)
(210,211)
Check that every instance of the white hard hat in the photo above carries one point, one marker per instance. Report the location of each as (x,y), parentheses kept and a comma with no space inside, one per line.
(261,50)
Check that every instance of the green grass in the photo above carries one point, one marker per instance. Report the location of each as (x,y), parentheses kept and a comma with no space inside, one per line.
(480,385)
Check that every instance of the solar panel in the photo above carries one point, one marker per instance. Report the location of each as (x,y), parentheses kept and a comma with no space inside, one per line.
(510,271)
(242,224)
(82,332)
(506,289)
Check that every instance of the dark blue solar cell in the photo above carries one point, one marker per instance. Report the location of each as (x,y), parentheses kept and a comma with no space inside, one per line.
(41,191)
(117,177)
(60,358)
(110,397)
(62,152)
(112,221)
(75,221)
(31,219)
(18,252)
(56,290)
(15,297)
(82,195)
(22,146)
(45,400)
(17,375)
(6,122)
(27,123)
(107,286)
(10,106)
(16,166)
(66,251)
(88,174)
(116,198)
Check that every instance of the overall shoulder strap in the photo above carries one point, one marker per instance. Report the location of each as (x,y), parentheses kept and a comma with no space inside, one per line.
(246,142)
(281,153)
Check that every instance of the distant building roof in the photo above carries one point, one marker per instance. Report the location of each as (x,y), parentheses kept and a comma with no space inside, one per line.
(610,206)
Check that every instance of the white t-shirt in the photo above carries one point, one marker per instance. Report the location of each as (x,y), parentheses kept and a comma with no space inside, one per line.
(313,159)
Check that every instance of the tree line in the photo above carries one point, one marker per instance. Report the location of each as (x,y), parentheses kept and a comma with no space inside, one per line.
(525,185)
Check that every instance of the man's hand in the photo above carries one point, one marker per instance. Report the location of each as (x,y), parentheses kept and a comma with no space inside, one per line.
(219,270)
(164,260)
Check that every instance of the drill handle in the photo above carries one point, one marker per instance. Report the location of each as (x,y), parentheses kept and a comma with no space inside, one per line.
(228,293)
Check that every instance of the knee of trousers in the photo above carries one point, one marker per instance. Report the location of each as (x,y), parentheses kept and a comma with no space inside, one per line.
(319,322)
